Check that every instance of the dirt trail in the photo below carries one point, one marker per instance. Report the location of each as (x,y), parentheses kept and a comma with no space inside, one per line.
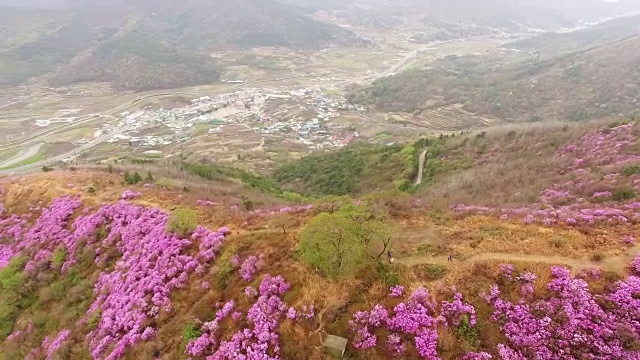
(613,263)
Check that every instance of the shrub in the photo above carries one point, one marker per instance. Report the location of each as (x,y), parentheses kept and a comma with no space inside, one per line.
(94,320)
(434,272)
(631,170)
(12,280)
(329,245)
(558,243)
(390,278)
(224,267)
(342,243)
(58,257)
(597,257)
(623,194)
(466,331)
(132,179)
(189,333)
(183,222)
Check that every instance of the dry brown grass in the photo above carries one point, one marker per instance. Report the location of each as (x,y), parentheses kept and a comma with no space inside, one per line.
(335,301)
(513,164)
(478,234)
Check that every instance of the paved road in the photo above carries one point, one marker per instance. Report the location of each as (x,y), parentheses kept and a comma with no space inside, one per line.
(31,152)
(55,159)
(423,157)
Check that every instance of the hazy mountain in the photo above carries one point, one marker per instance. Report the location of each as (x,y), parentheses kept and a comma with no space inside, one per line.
(598,78)
(164,39)
(551,44)
(446,19)
(39,4)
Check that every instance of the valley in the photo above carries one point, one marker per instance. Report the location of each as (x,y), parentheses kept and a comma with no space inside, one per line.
(100,113)
(316,180)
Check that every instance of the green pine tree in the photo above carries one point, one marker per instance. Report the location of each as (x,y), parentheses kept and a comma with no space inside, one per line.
(136,178)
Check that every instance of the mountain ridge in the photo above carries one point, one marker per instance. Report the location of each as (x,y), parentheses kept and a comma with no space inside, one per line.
(190,30)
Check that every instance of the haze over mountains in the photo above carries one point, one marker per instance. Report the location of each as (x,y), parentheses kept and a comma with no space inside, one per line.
(133,44)
(144,44)
(572,76)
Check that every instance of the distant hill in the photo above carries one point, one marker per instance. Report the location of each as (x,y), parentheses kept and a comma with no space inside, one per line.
(148,44)
(134,62)
(551,44)
(445,19)
(591,83)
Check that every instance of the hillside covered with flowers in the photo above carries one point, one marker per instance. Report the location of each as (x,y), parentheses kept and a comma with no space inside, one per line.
(93,268)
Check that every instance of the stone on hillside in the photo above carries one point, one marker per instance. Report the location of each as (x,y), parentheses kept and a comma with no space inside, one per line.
(335,345)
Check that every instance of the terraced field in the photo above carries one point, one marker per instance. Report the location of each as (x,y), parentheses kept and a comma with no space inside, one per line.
(444,119)
(450,119)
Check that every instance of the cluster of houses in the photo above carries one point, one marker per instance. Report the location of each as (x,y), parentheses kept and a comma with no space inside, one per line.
(302,116)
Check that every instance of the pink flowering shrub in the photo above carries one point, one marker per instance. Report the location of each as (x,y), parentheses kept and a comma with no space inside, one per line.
(250,292)
(250,266)
(571,321)
(204,203)
(205,285)
(635,265)
(235,260)
(308,312)
(602,194)
(477,356)
(396,291)
(395,344)
(414,320)
(591,273)
(149,264)
(454,311)
(292,314)
(506,270)
(259,339)
(50,346)
(130,195)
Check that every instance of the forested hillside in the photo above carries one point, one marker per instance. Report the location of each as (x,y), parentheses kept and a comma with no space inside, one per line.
(582,85)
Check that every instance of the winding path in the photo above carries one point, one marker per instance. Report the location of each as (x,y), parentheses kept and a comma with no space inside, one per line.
(612,263)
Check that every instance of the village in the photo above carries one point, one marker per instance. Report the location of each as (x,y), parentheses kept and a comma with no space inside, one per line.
(303,117)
